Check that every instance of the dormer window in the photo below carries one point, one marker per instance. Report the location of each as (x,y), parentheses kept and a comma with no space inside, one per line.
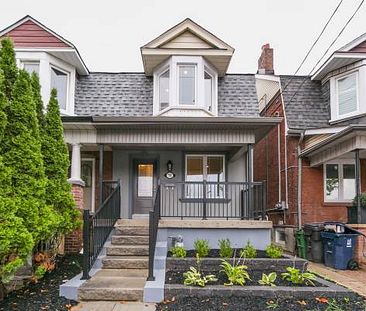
(347,94)
(185,85)
(60,81)
(31,67)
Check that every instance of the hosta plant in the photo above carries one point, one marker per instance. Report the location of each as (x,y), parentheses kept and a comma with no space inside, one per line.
(274,251)
(268,279)
(236,272)
(295,276)
(194,277)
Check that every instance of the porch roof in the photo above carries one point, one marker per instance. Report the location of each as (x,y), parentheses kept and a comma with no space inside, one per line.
(349,139)
(166,130)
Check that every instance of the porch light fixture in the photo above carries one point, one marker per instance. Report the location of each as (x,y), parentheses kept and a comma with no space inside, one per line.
(169,174)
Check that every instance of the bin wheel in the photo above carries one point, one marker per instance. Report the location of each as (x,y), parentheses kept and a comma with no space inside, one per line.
(353,265)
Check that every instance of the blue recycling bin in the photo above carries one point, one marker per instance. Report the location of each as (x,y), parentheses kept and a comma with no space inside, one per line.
(338,249)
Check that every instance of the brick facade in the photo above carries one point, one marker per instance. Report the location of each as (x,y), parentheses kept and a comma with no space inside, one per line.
(271,166)
(74,240)
(360,252)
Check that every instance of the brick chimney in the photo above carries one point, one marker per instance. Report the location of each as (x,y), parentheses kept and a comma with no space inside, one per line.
(265,61)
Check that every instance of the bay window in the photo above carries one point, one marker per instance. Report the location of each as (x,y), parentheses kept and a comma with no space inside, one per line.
(31,67)
(347,100)
(59,81)
(339,181)
(184,84)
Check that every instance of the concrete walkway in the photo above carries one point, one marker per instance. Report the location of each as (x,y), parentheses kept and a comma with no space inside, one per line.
(354,280)
(113,306)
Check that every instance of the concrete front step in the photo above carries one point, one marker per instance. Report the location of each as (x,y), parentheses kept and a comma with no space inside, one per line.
(113,289)
(132,230)
(133,222)
(117,273)
(126,262)
(128,250)
(130,240)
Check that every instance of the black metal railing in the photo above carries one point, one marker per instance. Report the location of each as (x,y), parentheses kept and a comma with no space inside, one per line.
(154,217)
(241,200)
(107,188)
(98,226)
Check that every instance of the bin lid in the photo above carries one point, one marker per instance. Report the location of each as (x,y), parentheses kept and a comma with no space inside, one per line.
(315,226)
(346,229)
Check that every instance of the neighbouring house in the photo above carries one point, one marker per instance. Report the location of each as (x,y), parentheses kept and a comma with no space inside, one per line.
(174,142)
(314,160)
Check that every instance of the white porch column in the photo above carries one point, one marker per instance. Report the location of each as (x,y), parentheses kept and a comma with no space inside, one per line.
(76,165)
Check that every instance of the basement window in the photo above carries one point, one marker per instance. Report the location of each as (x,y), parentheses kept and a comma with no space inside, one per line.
(339,181)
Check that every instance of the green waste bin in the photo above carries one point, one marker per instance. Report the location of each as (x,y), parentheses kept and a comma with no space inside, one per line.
(301,243)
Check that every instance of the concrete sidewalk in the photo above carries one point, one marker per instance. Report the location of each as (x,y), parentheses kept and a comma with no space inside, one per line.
(113,306)
(354,280)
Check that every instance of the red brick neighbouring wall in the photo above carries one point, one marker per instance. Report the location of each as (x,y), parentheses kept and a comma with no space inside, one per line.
(266,164)
(74,240)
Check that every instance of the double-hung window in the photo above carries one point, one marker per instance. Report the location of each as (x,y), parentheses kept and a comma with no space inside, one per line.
(339,181)
(347,94)
(210,168)
(187,84)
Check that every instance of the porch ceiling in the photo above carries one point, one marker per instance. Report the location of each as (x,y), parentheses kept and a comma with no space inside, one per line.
(337,145)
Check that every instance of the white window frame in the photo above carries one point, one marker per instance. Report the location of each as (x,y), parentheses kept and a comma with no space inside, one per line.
(355,73)
(204,156)
(45,62)
(175,108)
(93,180)
(32,62)
(67,84)
(340,163)
(195,65)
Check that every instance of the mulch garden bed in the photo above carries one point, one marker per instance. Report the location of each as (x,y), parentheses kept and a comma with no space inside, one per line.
(353,302)
(215,253)
(44,295)
(176,277)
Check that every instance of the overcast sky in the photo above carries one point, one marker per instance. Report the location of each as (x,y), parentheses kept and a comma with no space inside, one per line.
(109,33)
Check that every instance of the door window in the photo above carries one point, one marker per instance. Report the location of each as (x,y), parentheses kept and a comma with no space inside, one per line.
(145,183)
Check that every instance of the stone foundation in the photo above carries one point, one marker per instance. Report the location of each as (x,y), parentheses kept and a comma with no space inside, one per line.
(74,241)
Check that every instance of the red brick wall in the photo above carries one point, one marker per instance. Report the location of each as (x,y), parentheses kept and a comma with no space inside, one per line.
(266,168)
(360,251)
(74,240)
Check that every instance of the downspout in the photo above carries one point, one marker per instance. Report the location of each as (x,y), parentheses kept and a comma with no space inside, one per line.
(286,181)
(299,182)
(279,161)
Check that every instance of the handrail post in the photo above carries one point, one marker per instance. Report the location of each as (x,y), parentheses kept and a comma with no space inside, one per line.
(250,181)
(151,246)
(86,244)
(204,200)
(264,199)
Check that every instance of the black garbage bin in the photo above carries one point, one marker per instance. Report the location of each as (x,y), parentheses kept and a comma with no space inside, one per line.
(314,241)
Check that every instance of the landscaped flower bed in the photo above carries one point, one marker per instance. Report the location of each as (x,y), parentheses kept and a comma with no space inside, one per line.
(234,282)
(44,295)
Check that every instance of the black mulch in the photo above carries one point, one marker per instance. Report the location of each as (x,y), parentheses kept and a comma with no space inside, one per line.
(215,253)
(176,277)
(352,303)
(44,295)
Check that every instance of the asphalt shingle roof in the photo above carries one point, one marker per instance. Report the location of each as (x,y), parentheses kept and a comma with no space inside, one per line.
(131,94)
(306,106)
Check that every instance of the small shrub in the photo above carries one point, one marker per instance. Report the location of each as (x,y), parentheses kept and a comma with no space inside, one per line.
(248,251)
(178,252)
(236,273)
(202,248)
(274,251)
(195,277)
(268,279)
(226,251)
(295,276)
